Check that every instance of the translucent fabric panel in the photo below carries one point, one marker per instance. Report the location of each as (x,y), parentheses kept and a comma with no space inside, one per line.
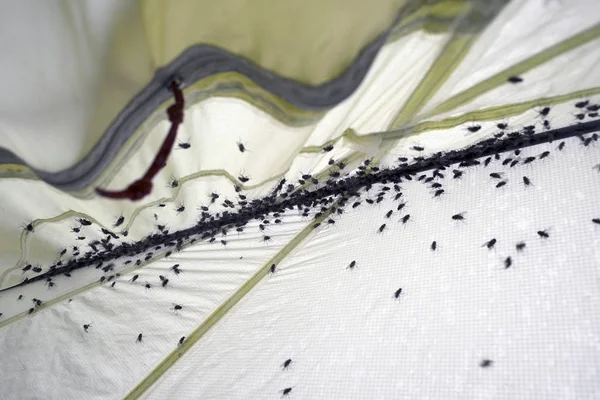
(467,323)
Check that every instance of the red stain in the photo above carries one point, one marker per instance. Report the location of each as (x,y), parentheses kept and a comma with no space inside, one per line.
(143,186)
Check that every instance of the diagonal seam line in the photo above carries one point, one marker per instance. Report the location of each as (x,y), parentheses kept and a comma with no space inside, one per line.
(487,114)
(524,66)
(453,53)
(223,309)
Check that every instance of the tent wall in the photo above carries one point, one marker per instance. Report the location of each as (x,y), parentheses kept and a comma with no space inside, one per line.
(88,109)
(122,54)
(345,332)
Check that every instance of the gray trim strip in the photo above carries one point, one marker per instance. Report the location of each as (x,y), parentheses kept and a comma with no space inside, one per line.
(194,64)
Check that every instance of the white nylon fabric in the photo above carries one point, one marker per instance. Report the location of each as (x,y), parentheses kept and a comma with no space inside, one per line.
(394,75)
(557,77)
(318,313)
(521,30)
(349,338)
(48,354)
(346,335)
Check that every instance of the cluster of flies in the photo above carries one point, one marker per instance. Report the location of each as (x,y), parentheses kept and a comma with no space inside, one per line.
(330,195)
(343,190)
(337,186)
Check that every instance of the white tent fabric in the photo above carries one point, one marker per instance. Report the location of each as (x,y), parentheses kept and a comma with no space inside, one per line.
(347,336)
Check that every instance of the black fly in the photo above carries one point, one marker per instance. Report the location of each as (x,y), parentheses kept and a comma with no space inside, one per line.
(243,178)
(139,338)
(458,217)
(119,221)
(164,280)
(515,79)
(507,262)
(543,234)
(176,308)
(544,111)
(433,245)
(546,124)
(398,293)
(490,244)
(287,363)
